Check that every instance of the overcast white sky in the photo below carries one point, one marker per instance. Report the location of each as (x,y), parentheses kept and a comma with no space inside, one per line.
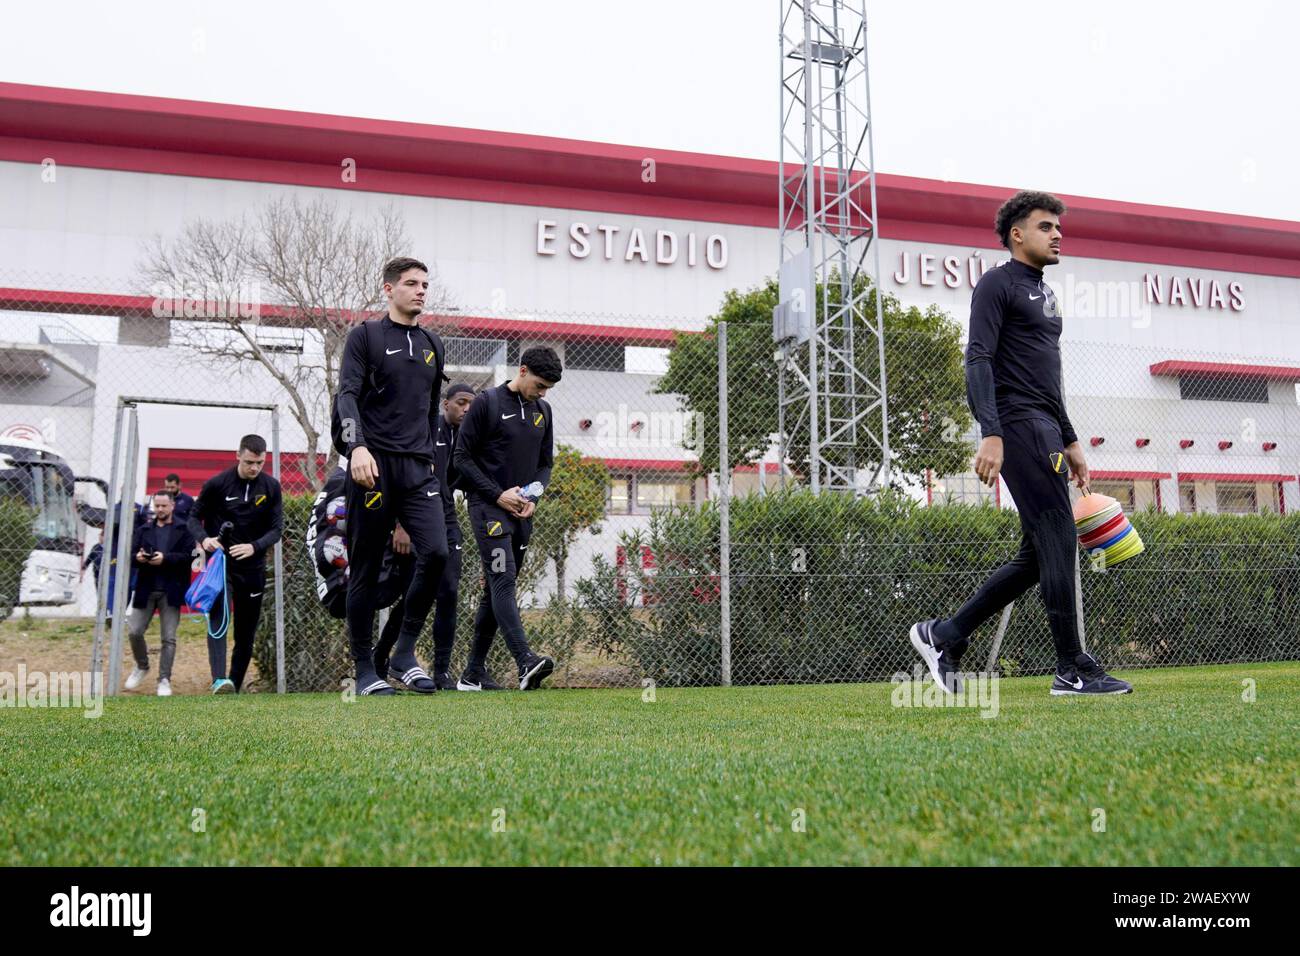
(1185,104)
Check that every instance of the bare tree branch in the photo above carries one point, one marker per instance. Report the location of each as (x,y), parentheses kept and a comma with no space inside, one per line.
(305,266)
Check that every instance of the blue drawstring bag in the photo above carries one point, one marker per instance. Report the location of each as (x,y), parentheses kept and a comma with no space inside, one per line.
(208,593)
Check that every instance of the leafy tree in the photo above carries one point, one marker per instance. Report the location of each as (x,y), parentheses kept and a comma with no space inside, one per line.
(574,502)
(926,385)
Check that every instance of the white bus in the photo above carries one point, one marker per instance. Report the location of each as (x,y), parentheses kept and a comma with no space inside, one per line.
(39,477)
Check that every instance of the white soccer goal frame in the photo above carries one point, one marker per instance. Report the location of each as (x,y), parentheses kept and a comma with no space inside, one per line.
(121,487)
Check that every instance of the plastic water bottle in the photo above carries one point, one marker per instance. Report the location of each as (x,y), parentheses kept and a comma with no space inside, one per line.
(532,491)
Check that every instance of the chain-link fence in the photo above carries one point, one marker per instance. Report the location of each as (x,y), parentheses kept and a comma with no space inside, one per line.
(627,579)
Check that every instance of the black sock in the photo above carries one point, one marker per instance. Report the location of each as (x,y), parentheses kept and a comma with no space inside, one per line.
(943,632)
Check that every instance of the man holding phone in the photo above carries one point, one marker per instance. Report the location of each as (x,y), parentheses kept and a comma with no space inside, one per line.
(162,552)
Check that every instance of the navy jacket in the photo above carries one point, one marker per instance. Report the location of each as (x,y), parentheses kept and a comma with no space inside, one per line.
(184,504)
(173,575)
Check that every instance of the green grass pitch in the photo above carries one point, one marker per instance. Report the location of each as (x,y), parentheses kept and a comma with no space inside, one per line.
(1185,770)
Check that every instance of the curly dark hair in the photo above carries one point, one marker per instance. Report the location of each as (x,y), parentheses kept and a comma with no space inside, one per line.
(1015,209)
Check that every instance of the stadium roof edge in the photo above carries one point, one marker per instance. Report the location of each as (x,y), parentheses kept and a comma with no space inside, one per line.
(224,141)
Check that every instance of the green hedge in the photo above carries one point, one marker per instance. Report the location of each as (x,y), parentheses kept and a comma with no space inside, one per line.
(17,539)
(825,589)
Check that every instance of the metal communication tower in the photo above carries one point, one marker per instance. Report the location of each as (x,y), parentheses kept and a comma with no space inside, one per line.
(831,349)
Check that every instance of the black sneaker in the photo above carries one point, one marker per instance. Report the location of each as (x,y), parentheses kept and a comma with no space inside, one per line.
(477,679)
(1087,678)
(444,680)
(942,659)
(534,670)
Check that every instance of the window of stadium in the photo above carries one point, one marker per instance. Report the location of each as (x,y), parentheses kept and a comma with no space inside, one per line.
(631,494)
(1121,491)
(1235,499)
(1222,388)
(594,356)
(618,495)
(661,493)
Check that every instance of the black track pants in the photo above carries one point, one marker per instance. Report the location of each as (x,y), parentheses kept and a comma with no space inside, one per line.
(1036,473)
(407,491)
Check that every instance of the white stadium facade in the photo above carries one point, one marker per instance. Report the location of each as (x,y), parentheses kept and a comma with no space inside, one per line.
(1182,346)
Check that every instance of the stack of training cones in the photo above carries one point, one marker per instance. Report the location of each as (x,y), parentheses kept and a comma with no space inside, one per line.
(1102,525)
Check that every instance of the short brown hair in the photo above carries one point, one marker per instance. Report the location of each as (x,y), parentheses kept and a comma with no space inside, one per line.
(254,443)
(395,267)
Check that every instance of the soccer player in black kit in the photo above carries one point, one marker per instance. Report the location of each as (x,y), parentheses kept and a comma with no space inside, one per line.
(247,498)
(454,405)
(1013,386)
(391,375)
(506,443)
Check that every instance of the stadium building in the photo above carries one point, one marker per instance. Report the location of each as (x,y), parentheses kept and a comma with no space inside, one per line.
(1182,355)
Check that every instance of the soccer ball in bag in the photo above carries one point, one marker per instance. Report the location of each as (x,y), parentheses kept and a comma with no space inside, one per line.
(336,513)
(335,550)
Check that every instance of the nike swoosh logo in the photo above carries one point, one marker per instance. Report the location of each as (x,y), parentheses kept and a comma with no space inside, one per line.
(441,444)
(511,415)
(430,494)
(457,547)
(232,497)
(391,351)
(1034,298)
(258,594)
(1077,685)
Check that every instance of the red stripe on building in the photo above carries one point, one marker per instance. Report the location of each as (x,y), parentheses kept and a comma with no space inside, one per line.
(1100,475)
(1229,476)
(647,464)
(61,302)
(1272,373)
(194,466)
